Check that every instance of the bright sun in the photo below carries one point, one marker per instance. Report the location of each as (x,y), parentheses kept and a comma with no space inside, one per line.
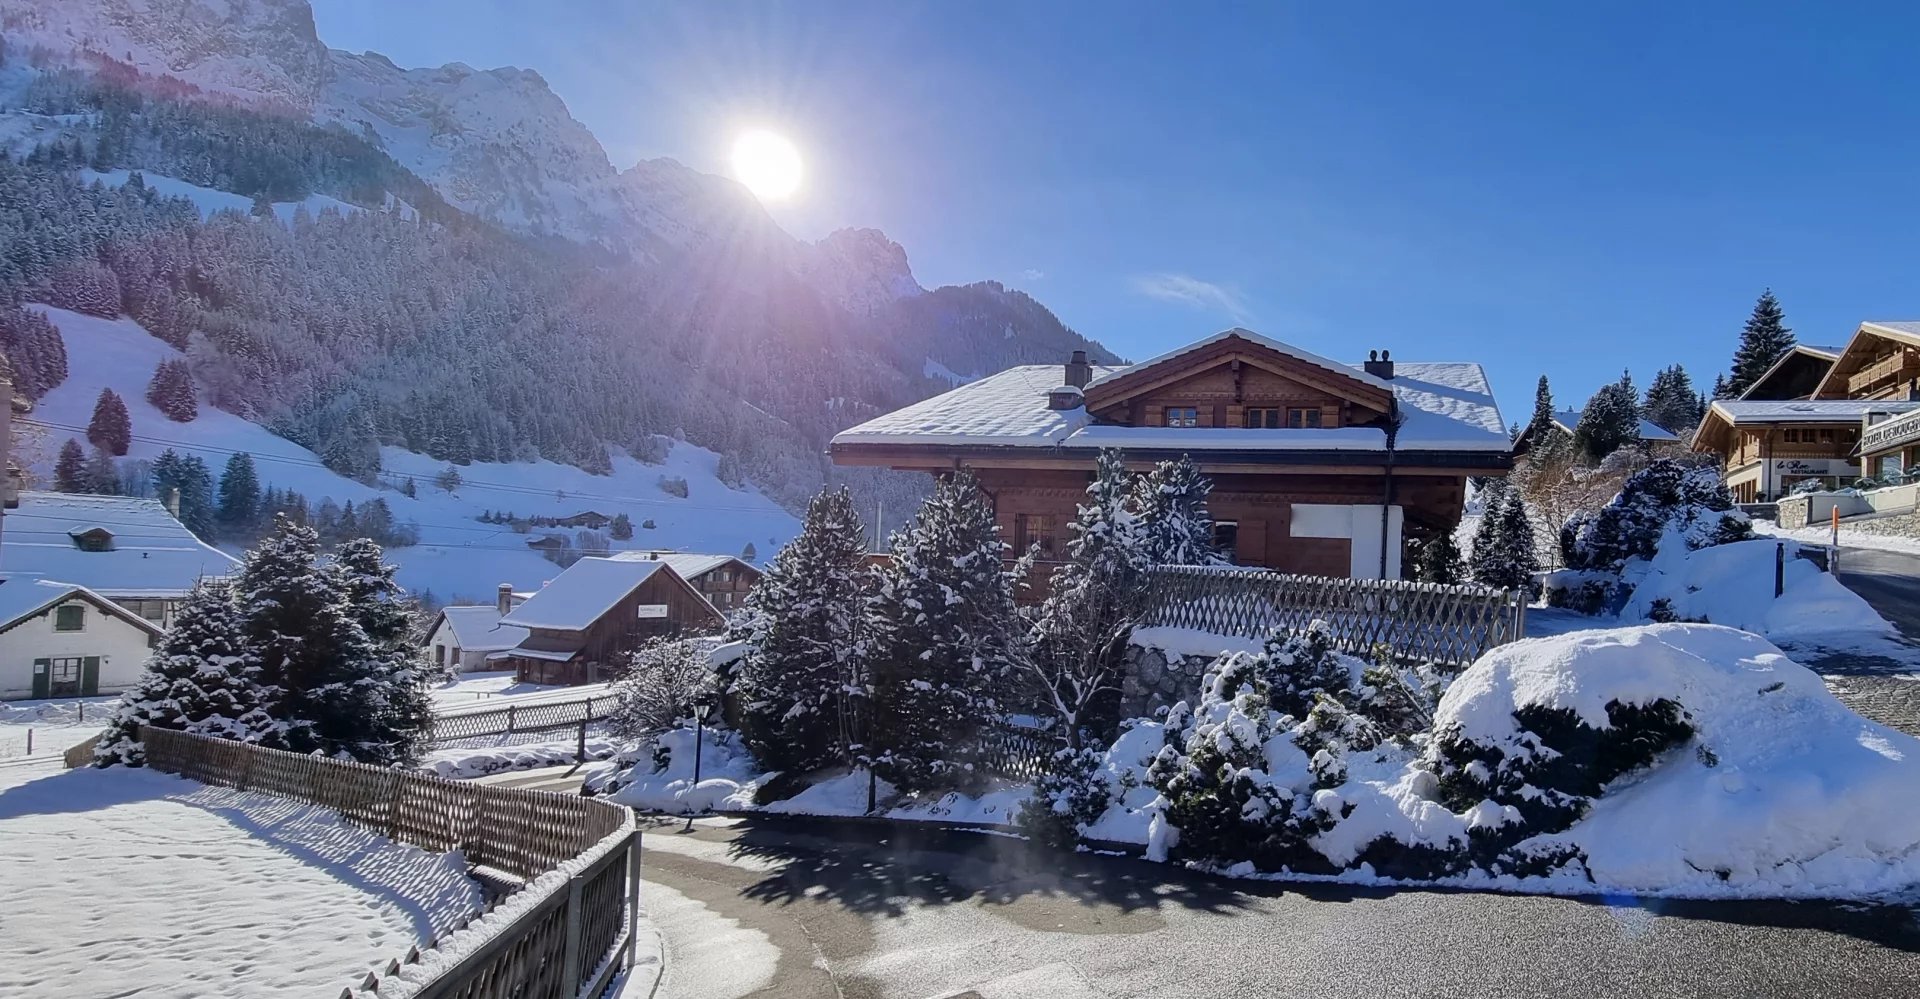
(767,163)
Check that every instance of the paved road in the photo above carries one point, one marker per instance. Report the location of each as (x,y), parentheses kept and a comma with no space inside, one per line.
(1890,581)
(1879,680)
(784,908)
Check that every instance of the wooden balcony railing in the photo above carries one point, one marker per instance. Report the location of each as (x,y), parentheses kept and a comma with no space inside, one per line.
(1896,367)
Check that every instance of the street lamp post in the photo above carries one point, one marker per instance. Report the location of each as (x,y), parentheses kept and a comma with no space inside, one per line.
(701,709)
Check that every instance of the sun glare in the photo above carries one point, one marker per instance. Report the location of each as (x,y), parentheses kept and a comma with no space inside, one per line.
(767,164)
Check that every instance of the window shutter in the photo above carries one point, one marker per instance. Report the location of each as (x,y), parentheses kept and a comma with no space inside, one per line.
(42,678)
(90,676)
(1329,416)
(1205,416)
(1156,416)
(1236,416)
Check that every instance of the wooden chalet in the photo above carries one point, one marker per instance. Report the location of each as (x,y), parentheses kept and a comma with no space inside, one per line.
(1317,466)
(1882,364)
(723,579)
(581,626)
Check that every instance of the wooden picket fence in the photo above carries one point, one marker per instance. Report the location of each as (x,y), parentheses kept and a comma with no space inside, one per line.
(567,945)
(1426,622)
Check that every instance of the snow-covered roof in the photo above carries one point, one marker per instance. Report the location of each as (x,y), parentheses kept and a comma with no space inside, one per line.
(1806,410)
(153,554)
(690,565)
(1446,405)
(1827,350)
(1252,337)
(478,628)
(579,596)
(1906,329)
(24,596)
(1567,419)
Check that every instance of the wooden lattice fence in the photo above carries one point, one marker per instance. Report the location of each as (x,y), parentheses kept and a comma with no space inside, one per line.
(1427,622)
(522,720)
(568,944)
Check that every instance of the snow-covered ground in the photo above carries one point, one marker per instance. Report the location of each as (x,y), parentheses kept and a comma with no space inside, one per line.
(458,557)
(210,201)
(497,689)
(1823,535)
(467,763)
(130,882)
(55,725)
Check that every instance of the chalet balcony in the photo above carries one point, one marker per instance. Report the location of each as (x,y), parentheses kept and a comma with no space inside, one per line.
(1888,370)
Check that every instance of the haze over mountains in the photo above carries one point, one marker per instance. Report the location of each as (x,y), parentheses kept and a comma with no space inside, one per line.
(511,295)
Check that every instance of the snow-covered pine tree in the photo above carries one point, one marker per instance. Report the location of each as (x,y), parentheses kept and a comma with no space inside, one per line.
(101,475)
(1671,403)
(1503,547)
(381,608)
(1173,504)
(239,506)
(1610,421)
(941,627)
(70,469)
(1542,420)
(1075,652)
(202,678)
(189,477)
(801,684)
(1762,341)
(1440,560)
(110,429)
(323,676)
(622,527)
(171,391)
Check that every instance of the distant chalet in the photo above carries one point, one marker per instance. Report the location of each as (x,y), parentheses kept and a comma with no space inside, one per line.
(1307,475)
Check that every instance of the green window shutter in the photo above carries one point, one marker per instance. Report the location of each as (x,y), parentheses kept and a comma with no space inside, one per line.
(90,675)
(42,678)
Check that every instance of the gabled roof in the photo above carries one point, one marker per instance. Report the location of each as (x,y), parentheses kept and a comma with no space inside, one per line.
(1824,356)
(478,628)
(586,590)
(24,597)
(1567,419)
(690,565)
(1445,406)
(1899,332)
(1250,337)
(1741,412)
(153,555)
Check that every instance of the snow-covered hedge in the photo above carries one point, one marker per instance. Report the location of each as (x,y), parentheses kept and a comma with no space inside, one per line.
(1667,498)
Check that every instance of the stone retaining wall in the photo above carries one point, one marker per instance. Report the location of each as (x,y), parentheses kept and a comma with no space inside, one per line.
(1159,679)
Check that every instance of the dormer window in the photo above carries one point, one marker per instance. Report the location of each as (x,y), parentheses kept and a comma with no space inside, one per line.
(1183,416)
(92,539)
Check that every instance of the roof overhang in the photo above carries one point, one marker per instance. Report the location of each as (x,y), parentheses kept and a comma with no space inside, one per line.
(1798,350)
(938,457)
(1867,331)
(1278,358)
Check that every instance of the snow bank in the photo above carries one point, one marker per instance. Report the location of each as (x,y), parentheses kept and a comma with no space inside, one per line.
(729,775)
(125,882)
(1782,792)
(1733,585)
(1193,642)
(466,764)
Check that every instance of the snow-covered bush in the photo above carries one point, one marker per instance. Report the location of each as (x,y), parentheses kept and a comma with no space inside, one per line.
(1733,585)
(1298,667)
(1667,496)
(1066,799)
(1582,590)
(659,686)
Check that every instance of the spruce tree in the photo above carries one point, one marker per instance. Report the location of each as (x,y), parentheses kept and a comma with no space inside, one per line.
(239,506)
(380,606)
(324,679)
(1762,342)
(1094,598)
(1503,546)
(1173,504)
(171,391)
(1611,421)
(1439,560)
(186,478)
(1671,403)
(111,429)
(202,678)
(801,684)
(941,627)
(621,528)
(70,469)
(102,476)
(1542,410)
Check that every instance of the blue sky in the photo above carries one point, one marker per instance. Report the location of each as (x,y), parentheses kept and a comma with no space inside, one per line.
(1554,189)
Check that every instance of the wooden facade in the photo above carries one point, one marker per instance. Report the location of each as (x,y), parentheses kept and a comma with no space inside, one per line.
(1341,511)
(595,653)
(726,585)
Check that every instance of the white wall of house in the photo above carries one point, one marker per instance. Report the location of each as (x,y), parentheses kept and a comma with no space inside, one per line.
(1360,524)
(444,647)
(122,647)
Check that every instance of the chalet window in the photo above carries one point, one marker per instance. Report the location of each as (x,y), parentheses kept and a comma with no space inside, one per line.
(1303,418)
(70,617)
(1267,418)
(1030,529)
(1793,436)
(1826,436)
(1226,536)
(152,610)
(1183,416)
(64,676)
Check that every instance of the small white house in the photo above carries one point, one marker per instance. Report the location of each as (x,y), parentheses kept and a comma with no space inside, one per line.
(64,640)
(462,637)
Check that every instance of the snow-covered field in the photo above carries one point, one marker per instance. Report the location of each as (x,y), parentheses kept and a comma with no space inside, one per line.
(55,725)
(458,557)
(486,691)
(130,882)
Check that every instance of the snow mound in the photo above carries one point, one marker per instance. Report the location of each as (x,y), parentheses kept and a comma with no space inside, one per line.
(729,775)
(1733,585)
(1781,792)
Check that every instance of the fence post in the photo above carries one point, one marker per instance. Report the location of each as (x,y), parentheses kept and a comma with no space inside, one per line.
(633,900)
(580,754)
(570,965)
(1779,569)
(510,708)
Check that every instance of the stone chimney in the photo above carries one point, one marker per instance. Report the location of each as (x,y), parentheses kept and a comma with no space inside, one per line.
(1079,372)
(505,600)
(1379,364)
